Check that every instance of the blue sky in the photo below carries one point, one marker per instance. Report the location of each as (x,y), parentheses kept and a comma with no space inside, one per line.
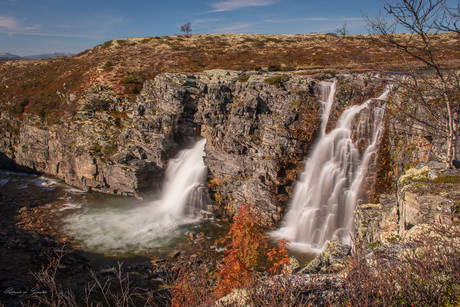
(40,26)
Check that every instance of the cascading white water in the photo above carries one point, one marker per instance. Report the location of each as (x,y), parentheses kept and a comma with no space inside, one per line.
(185,180)
(326,195)
(149,225)
(328,92)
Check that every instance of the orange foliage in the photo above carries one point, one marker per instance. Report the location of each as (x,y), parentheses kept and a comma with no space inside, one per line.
(246,245)
(280,257)
(190,290)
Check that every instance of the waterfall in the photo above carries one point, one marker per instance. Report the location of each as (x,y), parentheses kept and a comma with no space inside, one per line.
(149,225)
(326,195)
(184,188)
(327,90)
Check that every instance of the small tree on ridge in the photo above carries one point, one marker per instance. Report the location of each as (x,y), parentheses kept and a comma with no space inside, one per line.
(186,28)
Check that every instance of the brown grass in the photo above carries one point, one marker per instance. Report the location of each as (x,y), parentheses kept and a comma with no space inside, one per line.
(43,86)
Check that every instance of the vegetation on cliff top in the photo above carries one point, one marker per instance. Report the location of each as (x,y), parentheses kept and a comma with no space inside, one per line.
(51,88)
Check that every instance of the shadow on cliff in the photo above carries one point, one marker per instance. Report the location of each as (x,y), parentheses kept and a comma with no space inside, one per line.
(6,163)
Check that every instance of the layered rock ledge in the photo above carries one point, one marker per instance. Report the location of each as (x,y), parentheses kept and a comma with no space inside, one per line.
(259,128)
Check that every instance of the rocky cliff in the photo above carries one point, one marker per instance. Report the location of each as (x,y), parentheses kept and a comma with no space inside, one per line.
(259,128)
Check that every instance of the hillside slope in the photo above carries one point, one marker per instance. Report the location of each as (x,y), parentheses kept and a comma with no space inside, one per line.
(53,88)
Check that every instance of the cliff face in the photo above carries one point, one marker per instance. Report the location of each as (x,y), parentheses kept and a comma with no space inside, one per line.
(259,128)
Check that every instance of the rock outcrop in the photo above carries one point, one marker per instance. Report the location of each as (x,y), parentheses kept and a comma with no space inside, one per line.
(259,128)
(374,222)
(427,194)
(332,260)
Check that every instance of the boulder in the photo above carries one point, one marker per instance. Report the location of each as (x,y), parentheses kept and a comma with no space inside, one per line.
(332,260)
(428,193)
(375,222)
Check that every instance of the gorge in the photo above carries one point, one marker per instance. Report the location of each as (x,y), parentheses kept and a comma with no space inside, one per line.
(258,129)
(260,137)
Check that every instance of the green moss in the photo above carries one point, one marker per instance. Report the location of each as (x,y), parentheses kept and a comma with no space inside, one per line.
(273,39)
(146,40)
(96,148)
(108,64)
(106,44)
(18,109)
(128,80)
(243,78)
(217,198)
(373,245)
(393,239)
(277,81)
(420,185)
(410,165)
(448,179)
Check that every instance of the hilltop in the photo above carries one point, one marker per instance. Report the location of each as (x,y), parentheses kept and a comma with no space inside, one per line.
(45,87)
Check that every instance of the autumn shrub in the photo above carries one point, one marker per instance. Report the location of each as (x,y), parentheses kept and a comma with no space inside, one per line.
(192,287)
(246,246)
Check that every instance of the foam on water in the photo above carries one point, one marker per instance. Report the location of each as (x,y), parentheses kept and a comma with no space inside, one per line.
(150,225)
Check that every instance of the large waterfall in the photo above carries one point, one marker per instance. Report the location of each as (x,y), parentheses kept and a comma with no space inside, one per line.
(147,226)
(328,191)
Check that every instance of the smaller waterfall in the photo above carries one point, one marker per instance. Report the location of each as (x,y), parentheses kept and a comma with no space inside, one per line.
(149,225)
(184,189)
(326,195)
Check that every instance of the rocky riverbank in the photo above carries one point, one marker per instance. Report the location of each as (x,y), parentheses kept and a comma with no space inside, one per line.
(34,251)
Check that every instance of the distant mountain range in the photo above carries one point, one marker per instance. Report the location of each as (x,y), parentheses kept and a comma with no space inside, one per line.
(12,57)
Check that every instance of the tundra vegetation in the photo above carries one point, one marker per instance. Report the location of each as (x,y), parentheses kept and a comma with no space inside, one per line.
(424,271)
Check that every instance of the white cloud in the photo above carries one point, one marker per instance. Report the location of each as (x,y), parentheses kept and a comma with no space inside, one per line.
(233,28)
(231,5)
(9,22)
(13,25)
(311,19)
(204,20)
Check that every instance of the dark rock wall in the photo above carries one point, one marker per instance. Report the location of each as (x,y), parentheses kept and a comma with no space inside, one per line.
(259,130)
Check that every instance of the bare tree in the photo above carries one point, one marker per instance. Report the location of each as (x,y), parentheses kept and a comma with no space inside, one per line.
(342,30)
(186,28)
(427,55)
